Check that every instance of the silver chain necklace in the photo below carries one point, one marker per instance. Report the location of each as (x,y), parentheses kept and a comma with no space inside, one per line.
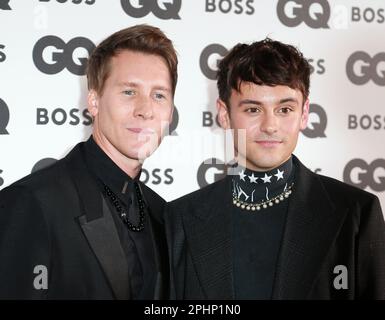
(261,205)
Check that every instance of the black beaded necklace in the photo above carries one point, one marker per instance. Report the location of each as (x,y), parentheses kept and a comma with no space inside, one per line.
(123,215)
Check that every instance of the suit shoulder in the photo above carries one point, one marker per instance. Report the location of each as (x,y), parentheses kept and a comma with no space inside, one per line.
(341,189)
(199,196)
(46,178)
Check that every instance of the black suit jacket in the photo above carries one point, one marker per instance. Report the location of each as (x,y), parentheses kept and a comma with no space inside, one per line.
(329,223)
(58,218)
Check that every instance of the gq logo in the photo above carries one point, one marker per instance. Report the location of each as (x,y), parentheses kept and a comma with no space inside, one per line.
(168,10)
(174,123)
(4,5)
(293,12)
(4,117)
(361,174)
(61,54)
(43,163)
(1,179)
(367,68)
(316,129)
(207,68)
(209,165)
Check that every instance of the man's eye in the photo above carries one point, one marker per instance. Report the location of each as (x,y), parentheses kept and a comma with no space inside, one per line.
(129,92)
(285,110)
(159,96)
(252,110)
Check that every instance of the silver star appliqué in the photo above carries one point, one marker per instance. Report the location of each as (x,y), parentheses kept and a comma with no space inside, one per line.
(279,174)
(266,178)
(242,175)
(253,179)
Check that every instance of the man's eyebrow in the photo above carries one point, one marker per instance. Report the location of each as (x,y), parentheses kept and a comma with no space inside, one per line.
(288,100)
(249,101)
(259,103)
(127,84)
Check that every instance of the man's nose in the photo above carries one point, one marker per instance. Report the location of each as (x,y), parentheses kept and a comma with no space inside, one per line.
(144,108)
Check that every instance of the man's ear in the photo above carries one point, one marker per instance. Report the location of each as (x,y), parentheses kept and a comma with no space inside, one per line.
(223,114)
(305,115)
(92,102)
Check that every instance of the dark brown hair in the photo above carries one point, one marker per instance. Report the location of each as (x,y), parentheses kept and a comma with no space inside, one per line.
(265,62)
(140,38)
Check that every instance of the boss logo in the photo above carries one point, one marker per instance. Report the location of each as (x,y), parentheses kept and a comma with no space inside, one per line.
(73,1)
(61,54)
(210,58)
(368,15)
(4,117)
(166,11)
(361,174)
(156,176)
(366,122)
(217,169)
(43,163)
(4,5)
(314,13)
(2,54)
(361,68)
(60,116)
(317,66)
(208,119)
(316,129)
(226,6)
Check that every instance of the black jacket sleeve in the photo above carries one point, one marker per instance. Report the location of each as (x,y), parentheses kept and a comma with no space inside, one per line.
(371,252)
(24,245)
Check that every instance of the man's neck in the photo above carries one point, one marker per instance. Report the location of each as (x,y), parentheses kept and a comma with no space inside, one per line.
(130,166)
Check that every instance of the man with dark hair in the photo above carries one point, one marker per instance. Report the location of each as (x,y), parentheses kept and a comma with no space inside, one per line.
(272,229)
(86,227)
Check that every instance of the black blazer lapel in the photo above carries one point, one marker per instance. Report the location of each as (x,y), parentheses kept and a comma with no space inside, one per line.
(103,238)
(312,225)
(98,225)
(209,238)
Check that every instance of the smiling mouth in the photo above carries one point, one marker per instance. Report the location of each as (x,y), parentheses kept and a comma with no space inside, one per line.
(141,130)
(268,143)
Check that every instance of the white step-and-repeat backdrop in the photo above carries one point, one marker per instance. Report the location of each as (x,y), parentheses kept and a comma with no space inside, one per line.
(44,45)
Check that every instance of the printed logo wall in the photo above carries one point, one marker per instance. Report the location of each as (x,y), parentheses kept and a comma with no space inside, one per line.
(43,86)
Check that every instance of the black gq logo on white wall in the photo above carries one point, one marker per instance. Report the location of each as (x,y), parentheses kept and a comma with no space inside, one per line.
(4,5)
(361,174)
(361,68)
(316,129)
(166,10)
(1,179)
(61,54)
(213,164)
(213,50)
(4,117)
(293,12)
